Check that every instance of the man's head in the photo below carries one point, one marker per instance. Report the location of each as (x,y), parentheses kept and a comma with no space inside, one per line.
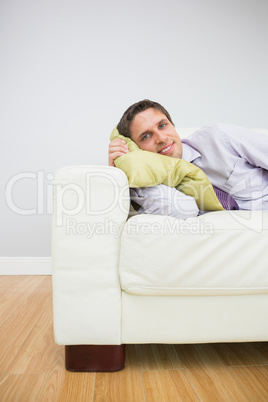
(127,118)
(149,125)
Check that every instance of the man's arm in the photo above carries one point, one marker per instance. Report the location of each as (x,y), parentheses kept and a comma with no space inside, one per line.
(164,200)
(250,145)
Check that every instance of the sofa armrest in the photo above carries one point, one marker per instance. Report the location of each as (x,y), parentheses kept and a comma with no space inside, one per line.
(91,205)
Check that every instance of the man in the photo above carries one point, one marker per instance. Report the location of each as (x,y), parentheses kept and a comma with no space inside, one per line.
(235,159)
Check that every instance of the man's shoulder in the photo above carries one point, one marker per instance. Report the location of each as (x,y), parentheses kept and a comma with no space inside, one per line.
(217,133)
(208,137)
(215,130)
(209,130)
(216,127)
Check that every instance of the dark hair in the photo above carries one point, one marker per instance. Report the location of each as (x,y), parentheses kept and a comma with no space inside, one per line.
(127,118)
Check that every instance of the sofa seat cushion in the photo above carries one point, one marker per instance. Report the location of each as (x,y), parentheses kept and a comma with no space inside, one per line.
(219,253)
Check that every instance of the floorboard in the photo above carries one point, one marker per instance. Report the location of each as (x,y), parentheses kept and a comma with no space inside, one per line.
(32,365)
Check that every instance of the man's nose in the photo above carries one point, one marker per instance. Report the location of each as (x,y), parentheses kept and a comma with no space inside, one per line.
(160,137)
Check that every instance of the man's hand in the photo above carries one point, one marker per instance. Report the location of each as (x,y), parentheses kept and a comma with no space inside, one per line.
(117,148)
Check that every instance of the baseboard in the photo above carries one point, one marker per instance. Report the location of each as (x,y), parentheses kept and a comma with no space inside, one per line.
(25,266)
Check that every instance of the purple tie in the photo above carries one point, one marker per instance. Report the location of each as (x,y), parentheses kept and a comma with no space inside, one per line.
(225,199)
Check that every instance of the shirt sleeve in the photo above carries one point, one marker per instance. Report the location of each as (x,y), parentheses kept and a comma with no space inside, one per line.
(164,200)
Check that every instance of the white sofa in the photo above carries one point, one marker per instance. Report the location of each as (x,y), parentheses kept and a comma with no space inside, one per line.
(149,278)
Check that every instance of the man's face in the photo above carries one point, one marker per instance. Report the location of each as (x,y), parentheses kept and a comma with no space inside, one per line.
(152,131)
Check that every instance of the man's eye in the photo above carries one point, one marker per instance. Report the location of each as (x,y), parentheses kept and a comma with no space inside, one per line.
(162,125)
(145,137)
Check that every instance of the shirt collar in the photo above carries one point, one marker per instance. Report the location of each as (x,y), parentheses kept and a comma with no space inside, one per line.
(189,154)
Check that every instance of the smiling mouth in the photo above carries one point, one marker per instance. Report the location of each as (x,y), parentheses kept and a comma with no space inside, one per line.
(167,149)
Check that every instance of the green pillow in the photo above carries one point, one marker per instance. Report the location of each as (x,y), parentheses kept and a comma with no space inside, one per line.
(148,169)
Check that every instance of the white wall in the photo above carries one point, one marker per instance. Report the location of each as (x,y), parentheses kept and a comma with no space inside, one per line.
(69,68)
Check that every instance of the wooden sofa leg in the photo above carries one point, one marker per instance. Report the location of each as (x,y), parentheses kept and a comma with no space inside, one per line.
(86,358)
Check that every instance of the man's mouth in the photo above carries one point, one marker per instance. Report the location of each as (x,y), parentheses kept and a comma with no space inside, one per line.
(167,149)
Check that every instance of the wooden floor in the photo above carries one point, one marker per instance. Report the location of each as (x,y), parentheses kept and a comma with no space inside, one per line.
(32,365)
